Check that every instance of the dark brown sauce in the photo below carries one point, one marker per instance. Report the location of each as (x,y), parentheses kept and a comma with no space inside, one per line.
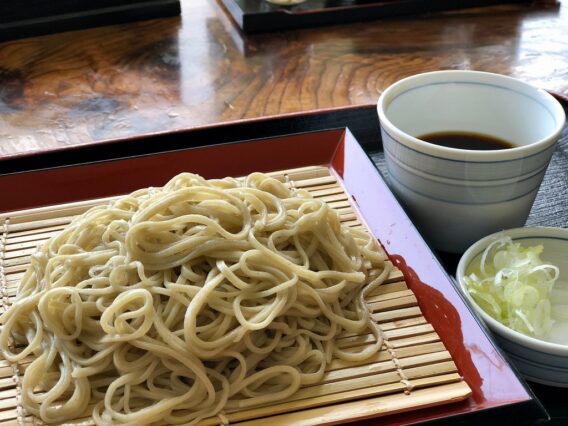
(466,140)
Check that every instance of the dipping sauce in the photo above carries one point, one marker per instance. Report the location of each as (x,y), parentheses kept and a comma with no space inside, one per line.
(466,140)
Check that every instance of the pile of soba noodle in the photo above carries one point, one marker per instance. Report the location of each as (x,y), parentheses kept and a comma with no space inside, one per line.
(174,304)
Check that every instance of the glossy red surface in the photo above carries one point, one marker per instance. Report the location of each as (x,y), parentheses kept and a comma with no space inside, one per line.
(492,381)
(73,183)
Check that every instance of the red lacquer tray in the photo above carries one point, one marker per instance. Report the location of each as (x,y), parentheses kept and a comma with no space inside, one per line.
(497,392)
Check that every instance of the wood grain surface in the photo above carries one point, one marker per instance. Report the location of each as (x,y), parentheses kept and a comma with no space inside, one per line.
(199,69)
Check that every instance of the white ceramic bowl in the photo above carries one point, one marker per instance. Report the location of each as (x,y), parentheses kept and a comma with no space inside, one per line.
(456,196)
(538,360)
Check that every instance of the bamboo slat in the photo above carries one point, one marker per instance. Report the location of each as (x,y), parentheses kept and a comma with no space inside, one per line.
(413,369)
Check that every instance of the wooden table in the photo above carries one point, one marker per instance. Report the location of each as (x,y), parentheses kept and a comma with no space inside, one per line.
(154,76)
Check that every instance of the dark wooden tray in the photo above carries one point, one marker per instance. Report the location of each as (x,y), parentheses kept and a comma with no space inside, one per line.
(498,394)
(25,18)
(260,16)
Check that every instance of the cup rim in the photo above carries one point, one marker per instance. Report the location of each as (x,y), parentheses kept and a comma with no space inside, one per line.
(508,333)
(472,155)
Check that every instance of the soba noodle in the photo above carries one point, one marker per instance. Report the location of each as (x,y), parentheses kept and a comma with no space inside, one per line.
(174,304)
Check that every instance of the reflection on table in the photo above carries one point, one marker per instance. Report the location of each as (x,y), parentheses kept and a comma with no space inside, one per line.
(126,80)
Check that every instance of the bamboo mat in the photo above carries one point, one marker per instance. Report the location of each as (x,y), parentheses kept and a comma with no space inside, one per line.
(413,370)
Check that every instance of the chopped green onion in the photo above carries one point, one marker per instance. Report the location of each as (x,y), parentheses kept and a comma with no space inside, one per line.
(513,285)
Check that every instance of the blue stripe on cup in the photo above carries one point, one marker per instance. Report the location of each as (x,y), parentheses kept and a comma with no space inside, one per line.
(546,152)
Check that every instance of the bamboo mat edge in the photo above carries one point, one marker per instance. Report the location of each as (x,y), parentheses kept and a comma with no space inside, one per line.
(368,408)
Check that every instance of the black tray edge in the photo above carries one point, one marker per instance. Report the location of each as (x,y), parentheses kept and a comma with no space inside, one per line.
(363,123)
(283,18)
(64,22)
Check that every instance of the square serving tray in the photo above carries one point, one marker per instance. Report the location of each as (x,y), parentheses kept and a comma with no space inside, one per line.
(495,388)
(254,16)
(26,18)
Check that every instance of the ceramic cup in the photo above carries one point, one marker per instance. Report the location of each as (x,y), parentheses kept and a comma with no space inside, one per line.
(456,196)
(542,361)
